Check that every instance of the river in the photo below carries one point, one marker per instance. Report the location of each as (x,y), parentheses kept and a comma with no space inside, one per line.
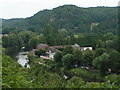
(23,59)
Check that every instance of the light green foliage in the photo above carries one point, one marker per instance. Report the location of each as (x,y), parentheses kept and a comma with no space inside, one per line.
(12,75)
(113,79)
(99,85)
(43,79)
(75,82)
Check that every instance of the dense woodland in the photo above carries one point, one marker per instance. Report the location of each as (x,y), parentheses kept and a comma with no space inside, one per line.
(65,25)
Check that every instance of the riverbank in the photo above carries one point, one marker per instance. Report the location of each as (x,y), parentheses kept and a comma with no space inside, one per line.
(22,59)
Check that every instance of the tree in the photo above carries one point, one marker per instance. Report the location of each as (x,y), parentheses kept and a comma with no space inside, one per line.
(68,61)
(102,63)
(108,44)
(75,82)
(58,56)
(13,76)
(109,36)
(114,61)
(100,51)
(40,52)
(113,79)
(68,50)
(77,57)
(50,40)
(13,42)
(34,41)
(26,36)
(88,56)
(100,44)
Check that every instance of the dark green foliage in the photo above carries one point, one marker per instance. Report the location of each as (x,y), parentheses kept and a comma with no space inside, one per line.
(65,25)
(68,50)
(13,42)
(40,52)
(87,75)
(73,18)
(77,57)
(102,63)
(100,51)
(68,61)
(34,41)
(26,36)
(58,57)
(50,40)
(88,56)
(75,82)
(114,61)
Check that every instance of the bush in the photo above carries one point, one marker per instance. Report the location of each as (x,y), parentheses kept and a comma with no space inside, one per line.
(113,79)
(75,82)
(85,74)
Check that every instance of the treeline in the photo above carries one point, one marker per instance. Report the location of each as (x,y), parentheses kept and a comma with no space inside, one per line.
(52,36)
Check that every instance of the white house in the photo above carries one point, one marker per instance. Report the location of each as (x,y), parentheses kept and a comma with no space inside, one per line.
(85,48)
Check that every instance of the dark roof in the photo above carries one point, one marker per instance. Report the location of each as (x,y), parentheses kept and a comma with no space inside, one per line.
(76,45)
(42,45)
(56,46)
(53,50)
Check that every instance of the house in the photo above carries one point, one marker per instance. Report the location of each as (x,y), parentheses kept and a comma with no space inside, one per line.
(76,46)
(42,46)
(51,52)
(85,48)
(81,48)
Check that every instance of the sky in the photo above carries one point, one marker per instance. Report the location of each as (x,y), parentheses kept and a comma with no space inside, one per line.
(26,8)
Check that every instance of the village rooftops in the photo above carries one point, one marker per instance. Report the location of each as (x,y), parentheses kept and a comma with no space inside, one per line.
(52,50)
(56,46)
(76,46)
(41,46)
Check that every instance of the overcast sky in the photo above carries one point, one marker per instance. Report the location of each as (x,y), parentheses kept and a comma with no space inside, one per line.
(26,8)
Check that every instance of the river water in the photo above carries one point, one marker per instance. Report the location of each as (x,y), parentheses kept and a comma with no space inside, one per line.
(23,59)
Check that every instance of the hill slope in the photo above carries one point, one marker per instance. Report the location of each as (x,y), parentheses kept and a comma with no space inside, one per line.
(70,17)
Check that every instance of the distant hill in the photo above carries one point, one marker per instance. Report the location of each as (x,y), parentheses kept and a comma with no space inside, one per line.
(72,18)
